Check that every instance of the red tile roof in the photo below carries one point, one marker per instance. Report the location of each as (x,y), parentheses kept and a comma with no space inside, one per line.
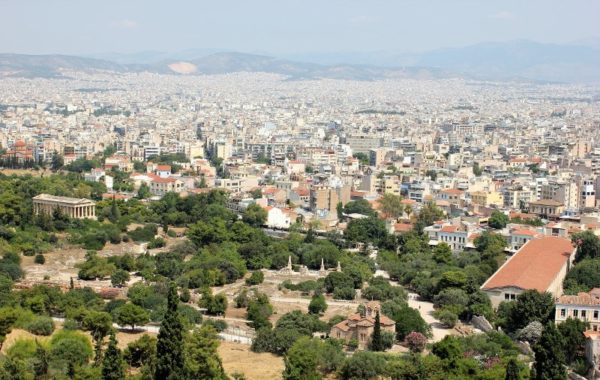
(449,229)
(534,266)
(581,299)
(403,227)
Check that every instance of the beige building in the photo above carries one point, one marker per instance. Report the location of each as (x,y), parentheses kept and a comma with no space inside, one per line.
(326,198)
(565,192)
(487,199)
(583,306)
(77,208)
(160,186)
(546,208)
(377,156)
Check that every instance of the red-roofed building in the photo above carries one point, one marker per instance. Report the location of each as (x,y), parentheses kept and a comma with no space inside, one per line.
(160,186)
(583,306)
(360,327)
(540,264)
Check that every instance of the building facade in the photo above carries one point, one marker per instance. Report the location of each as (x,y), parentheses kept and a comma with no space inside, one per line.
(76,208)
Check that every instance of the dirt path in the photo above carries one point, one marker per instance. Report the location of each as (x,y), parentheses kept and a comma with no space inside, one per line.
(426,311)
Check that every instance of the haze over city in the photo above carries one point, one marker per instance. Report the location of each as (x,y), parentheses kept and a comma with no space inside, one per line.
(287,27)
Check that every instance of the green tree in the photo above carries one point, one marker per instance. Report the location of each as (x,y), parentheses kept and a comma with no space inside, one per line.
(407,319)
(376,338)
(99,324)
(572,332)
(427,216)
(391,205)
(360,206)
(214,305)
(302,360)
(141,352)
(40,361)
(587,243)
(115,213)
(257,277)
(512,370)
(366,230)
(549,358)
(317,304)
(477,171)
(144,191)
(119,278)
(363,366)
(498,220)
(57,161)
(7,319)
(131,315)
(259,310)
(112,365)
(169,348)
(448,348)
(202,360)
(583,277)
(363,158)
(530,306)
(255,215)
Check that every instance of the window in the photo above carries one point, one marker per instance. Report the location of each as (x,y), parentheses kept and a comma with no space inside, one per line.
(595,314)
(563,312)
(583,313)
(506,296)
(595,327)
(513,296)
(575,313)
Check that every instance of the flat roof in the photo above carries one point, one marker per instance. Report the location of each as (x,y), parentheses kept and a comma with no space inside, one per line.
(65,200)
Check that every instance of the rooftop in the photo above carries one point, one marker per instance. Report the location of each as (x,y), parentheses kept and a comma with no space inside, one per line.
(534,266)
(59,199)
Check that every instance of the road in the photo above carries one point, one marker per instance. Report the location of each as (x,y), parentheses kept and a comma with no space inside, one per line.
(426,311)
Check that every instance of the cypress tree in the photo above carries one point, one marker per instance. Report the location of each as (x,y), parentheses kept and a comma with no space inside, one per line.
(512,370)
(169,348)
(376,338)
(549,356)
(40,361)
(112,364)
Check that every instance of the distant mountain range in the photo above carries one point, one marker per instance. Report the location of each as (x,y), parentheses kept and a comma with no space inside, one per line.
(516,60)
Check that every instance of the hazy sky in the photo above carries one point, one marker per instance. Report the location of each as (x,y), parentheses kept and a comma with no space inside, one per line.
(286,26)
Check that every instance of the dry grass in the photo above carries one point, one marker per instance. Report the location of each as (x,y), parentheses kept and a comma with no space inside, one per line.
(22,172)
(239,358)
(236,357)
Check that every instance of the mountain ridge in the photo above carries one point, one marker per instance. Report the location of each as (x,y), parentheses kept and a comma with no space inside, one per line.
(512,60)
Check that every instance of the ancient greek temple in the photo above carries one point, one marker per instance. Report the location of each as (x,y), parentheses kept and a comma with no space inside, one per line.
(77,208)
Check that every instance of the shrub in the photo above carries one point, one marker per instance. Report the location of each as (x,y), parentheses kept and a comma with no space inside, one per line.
(241,300)
(256,278)
(39,259)
(157,243)
(22,349)
(145,233)
(345,293)
(317,305)
(41,325)
(218,324)
(416,341)
(447,317)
